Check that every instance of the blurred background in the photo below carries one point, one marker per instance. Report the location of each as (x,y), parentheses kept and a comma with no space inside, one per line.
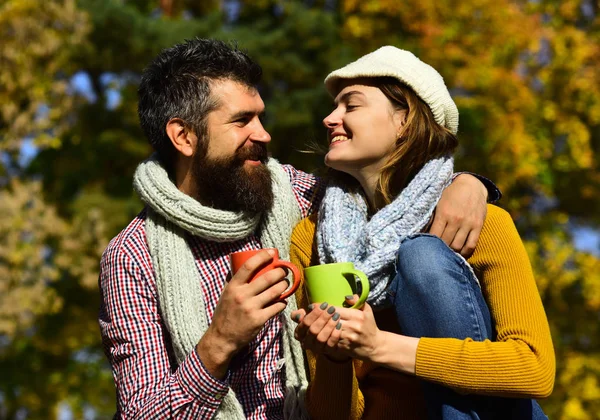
(525,75)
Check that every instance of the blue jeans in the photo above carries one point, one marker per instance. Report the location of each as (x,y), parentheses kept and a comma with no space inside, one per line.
(435,294)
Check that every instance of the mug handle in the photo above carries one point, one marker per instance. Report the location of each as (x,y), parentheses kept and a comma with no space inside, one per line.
(364,282)
(295,274)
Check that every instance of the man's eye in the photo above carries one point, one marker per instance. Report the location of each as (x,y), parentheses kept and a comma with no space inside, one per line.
(350,107)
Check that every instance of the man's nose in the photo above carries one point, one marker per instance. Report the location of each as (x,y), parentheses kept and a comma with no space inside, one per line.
(260,134)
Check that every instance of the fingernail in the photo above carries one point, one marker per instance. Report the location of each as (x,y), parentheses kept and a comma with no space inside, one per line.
(271,252)
(331,310)
(335,316)
(323,305)
(338,326)
(311,307)
(297,318)
(349,297)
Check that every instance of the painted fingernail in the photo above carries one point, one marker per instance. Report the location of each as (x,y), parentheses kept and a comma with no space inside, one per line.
(338,326)
(323,305)
(349,297)
(311,307)
(335,316)
(297,317)
(331,310)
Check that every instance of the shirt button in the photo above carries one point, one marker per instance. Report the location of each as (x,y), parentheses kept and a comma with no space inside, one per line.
(280,364)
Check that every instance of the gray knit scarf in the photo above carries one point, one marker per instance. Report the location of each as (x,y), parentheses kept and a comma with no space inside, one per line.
(344,233)
(171,214)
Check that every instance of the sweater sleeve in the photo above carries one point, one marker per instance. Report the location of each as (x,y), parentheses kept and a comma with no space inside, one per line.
(333,391)
(521,362)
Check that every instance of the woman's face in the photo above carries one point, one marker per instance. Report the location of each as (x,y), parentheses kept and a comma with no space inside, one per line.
(362,129)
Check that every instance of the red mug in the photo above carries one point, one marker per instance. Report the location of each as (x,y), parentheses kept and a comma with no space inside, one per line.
(237,259)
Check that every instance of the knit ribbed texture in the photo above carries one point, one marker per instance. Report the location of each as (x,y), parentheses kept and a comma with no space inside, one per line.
(171,214)
(345,234)
(183,211)
(519,363)
(403,65)
(522,359)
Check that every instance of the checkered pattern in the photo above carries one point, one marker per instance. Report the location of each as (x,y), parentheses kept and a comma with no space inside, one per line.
(149,383)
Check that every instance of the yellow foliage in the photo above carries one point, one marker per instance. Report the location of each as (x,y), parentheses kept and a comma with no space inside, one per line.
(580,375)
(27,227)
(37,38)
(590,268)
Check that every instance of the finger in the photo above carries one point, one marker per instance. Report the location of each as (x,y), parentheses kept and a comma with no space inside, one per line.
(251,266)
(314,312)
(471,243)
(348,314)
(266,280)
(328,328)
(335,335)
(460,239)
(449,233)
(350,300)
(298,315)
(311,339)
(271,294)
(438,226)
(272,310)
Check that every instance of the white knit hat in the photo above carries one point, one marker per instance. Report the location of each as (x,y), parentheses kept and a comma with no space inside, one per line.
(403,65)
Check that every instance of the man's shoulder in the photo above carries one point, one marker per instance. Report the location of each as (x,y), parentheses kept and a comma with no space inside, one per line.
(297,174)
(307,187)
(130,242)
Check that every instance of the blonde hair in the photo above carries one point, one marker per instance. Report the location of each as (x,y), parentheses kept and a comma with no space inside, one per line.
(421,140)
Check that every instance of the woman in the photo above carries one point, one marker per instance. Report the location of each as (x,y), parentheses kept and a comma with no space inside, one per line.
(426,347)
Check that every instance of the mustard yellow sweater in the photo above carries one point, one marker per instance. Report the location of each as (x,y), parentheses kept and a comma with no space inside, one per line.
(520,363)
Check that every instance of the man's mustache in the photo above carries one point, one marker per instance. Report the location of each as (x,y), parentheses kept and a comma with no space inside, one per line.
(257,151)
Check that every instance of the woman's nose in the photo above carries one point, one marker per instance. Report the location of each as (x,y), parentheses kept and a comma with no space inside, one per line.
(332,120)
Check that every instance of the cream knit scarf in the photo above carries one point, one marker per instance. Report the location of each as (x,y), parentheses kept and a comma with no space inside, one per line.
(171,214)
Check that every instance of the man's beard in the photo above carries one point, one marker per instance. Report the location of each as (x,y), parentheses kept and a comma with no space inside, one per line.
(228,184)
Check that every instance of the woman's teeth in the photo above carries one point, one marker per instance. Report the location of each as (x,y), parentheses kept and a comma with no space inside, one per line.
(338,138)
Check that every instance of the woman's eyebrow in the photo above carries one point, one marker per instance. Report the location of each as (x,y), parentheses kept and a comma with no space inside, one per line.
(346,96)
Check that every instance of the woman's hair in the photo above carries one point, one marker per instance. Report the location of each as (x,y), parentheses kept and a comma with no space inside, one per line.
(421,140)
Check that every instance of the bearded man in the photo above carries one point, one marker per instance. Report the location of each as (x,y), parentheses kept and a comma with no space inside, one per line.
(184,340)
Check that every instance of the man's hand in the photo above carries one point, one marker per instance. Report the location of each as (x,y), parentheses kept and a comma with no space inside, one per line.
(243,310)
(460,213)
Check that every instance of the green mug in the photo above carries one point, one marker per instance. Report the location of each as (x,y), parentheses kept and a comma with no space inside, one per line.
(331,283)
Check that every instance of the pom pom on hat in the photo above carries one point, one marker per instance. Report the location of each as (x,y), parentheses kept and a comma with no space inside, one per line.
(403,65)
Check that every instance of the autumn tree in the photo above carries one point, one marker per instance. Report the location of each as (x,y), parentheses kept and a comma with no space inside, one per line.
(524,74)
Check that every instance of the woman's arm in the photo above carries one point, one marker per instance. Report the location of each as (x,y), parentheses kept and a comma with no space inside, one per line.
(521,361)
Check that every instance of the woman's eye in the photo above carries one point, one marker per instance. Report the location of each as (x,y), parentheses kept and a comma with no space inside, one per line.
(350,107)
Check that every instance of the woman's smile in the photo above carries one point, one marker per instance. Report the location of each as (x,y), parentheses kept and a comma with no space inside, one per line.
(337,140)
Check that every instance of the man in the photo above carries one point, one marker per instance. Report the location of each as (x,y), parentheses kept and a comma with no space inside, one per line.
(184,342)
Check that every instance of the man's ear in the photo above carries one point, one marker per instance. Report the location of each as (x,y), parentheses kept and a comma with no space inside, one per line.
(183,139)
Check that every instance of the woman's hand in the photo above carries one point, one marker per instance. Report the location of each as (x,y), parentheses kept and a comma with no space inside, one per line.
(354,334)
(338,332)
(319,329)
(359,335)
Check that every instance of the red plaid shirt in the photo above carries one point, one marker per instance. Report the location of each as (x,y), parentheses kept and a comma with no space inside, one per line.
(150,384)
